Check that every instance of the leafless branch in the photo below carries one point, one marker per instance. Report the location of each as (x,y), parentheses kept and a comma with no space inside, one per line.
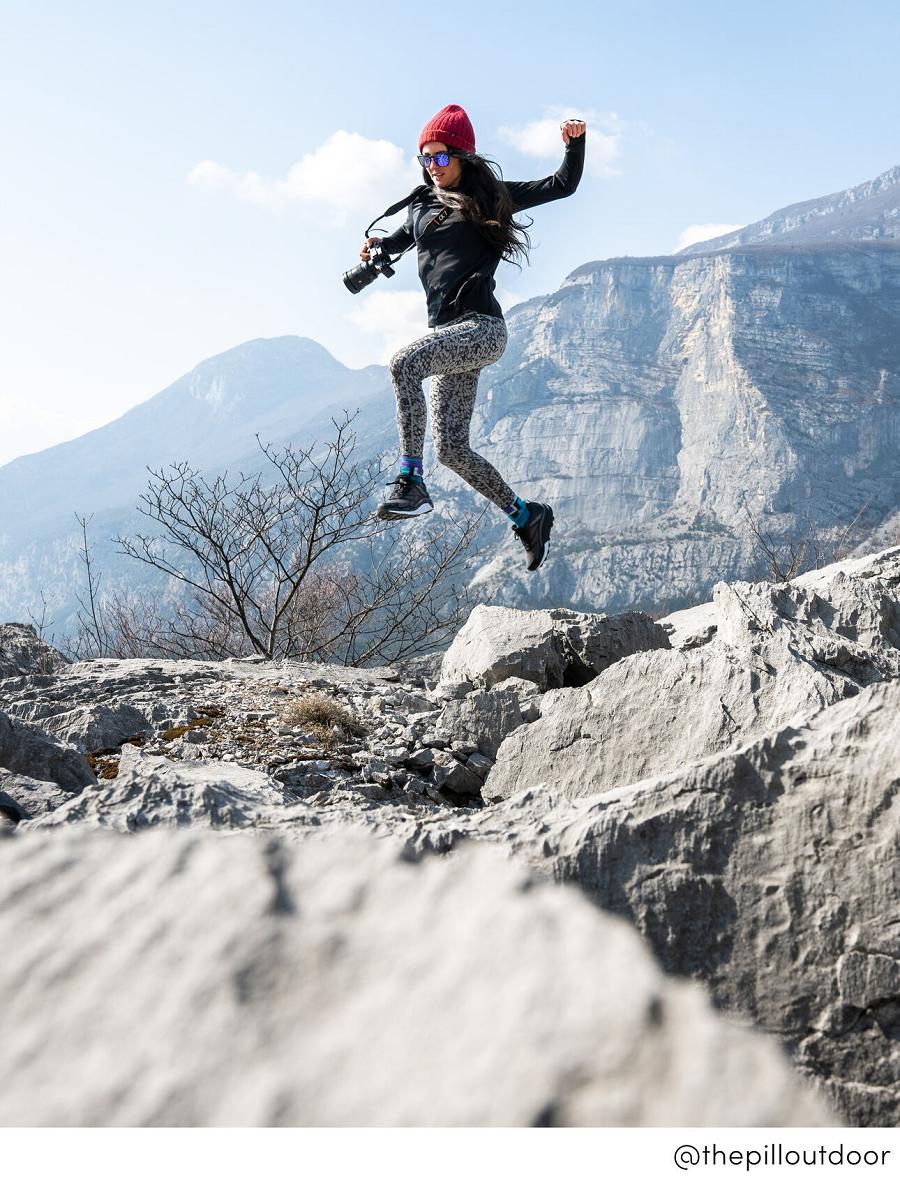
(809,548)
(292,564)
(94,639)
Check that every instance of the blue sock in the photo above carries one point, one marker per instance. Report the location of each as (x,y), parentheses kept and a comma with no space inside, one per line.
(411,466)
(518,512)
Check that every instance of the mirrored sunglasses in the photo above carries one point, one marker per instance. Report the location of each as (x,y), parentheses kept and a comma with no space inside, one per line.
(442,159)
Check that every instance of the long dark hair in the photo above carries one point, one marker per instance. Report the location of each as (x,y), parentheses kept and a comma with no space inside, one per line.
(483,198)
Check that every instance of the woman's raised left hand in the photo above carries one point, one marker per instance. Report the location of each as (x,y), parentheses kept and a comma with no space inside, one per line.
(572,129)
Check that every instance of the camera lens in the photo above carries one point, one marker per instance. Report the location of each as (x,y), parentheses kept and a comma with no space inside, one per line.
(360,277)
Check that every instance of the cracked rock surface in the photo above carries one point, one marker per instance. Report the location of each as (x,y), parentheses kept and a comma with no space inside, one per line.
(725,781)
(315,984)
(551,648)
(772,873)
(777,650)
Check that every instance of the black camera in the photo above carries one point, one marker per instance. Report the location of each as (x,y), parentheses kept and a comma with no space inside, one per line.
(367,272)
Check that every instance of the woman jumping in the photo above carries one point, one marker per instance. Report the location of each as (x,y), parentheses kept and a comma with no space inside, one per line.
(458,255)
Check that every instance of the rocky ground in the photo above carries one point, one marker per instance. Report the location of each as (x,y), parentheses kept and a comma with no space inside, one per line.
(723,781)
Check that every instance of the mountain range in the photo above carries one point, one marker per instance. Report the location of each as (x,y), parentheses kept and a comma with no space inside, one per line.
(672,409)
(867,212)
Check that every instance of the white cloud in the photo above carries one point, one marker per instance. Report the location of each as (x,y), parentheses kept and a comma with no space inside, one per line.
(209,173)
(348,173)
(542,138)
(398,317)
(702,233)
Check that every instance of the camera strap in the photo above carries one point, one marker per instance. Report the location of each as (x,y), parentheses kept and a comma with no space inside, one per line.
(437,220)
(396,207)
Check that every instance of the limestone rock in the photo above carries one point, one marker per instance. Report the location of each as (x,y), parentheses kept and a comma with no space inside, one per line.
(841,584)
(486,718)
(152,790)
(692,627)
(322,985)
(27,750)
(23,798)
(746,815)
(850,624)
(97,726)
(779,650)
(449,774)
(878,567)
(772,873)
(480,764)
(551,648)
(421,759)
(21,651)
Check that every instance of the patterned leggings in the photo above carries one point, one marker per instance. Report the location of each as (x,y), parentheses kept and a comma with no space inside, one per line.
(453,355)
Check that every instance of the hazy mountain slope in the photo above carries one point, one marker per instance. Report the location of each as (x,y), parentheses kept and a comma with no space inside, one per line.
(209,416)
(867,212)
(285,389)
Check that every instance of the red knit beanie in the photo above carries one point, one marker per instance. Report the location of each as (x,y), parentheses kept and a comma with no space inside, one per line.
(450,126)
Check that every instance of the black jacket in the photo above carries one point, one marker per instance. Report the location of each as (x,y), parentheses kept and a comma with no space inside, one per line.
(456,264)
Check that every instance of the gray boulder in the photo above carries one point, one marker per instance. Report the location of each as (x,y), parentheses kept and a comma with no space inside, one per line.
(338,984)
(842,584)
(551,648)
(882,567)
(151,791)
(96,726)
(23,653)
(449,774)
(849,624)
(691,627)
(27,750)
(483,718)
(772,873)
(24,798)
(779,650)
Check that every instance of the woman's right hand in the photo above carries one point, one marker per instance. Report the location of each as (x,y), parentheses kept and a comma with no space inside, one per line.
(364,253)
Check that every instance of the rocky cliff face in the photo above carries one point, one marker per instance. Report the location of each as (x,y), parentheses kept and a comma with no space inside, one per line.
(657,402)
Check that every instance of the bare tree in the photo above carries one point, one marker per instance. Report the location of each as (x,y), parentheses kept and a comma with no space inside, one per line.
(45,660)
(263,567)
(404,601)
(40,622)
(91,635)
(813,547)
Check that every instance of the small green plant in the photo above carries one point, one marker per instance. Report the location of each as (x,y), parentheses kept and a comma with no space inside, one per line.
(319,714)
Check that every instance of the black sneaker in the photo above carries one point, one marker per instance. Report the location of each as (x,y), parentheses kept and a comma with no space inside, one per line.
(535,533)
(406,499)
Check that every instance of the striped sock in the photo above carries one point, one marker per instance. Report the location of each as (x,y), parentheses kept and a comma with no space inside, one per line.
(518,512)
(411,466)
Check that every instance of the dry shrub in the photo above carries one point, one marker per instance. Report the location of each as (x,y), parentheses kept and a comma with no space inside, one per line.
(319,714)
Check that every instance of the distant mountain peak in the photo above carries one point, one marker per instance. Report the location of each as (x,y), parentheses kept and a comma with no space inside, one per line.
(867,212)
(245,373)
(209,417)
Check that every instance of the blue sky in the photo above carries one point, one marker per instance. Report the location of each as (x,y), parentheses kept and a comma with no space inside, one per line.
(124,263)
